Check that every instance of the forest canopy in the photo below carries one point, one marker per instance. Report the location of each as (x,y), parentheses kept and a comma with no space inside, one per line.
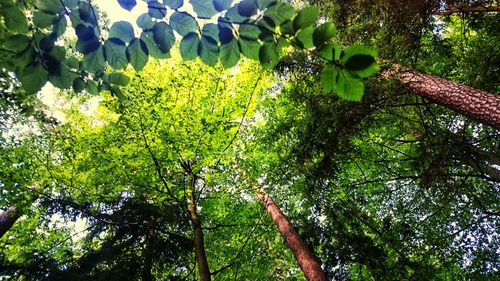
(249,140)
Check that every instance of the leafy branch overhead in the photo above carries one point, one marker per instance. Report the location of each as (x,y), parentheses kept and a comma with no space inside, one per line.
(218,31)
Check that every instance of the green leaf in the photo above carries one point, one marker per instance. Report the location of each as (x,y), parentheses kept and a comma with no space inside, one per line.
(360,60)
(15,20)
(189,46)
(280,12)
(73,62)
(221,5)
(330,52)
(145,21)
(174,4)
(148,38)
(94,61)
(118,79)
(156,10)
(115,51)
(268,55)
(64,80)
(122,30)
(43,20)
(203,8)
(249,32)
(306,17)
(349,87)
(17,43)
(163,36)
(115,91)
(137,54)
(211,30)
(323,33)
(230,53)
(329,78)
(91,87)
(60,25)
(208,50)
(33,78)
(305,37)
(49,6)
(79,85)
(183,23)
(287,28)
(249,48)
(263,4)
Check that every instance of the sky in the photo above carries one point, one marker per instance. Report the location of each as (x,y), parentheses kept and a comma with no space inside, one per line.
(117,13)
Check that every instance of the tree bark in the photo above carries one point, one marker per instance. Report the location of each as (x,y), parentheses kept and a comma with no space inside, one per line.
(199,245)
(305,258)
(473,103)
(476,9)
(7,219)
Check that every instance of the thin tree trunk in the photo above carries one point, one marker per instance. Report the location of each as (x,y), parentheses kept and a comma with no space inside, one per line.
(7,219)
(305,258)
(473,103)
(199,246)
(476,9)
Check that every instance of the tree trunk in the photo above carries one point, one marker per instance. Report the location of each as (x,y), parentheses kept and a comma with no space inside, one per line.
(476,9)
(7,219)
(306,260)
(199,246)
(473,103)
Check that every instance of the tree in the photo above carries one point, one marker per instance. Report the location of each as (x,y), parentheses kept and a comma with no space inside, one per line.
(7,219)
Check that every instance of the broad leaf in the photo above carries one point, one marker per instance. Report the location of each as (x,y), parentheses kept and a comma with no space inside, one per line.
(349,87)
(208,50)
(268,55)
(122,30)
(15,20)
(221,5)
(323,33)
(305,37)
(156,10)
(137,54)
(249,48)
(189,46)
(33,78)
(203,8)
(306,17)
(230,53)
(145,21)
(183,23)
(94,61)
(148,38)
(164,37)
(49,6)
(174,4)
(118,79)
(127,4)
(43,20)
(329,78)
(360,60)
(330,52)
(115,51)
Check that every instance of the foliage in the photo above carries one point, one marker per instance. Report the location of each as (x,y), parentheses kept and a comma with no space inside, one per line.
(257,29)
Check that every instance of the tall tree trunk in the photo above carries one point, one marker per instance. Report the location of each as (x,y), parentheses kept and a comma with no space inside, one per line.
(7,219)
(473,103)
(306,260)
(199,246)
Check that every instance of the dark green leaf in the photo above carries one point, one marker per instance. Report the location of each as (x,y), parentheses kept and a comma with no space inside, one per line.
(137,54)
(64,80)
(249,32)
(174,4)
(203,8)
(145,21)
(189,46)
(15,20)
(305,37)
(230,53)
(156,10)
(115,51)
(92,88)
(287,28)
(268,55)
(208,50)
(360,60)
(127,4)
(60,25)
(94,61)
(122,30)
(118,79)
(163,36)
(43,20)
(183,23)
(249,48)
(148,38)
(17,43)
(79,85)
(87,13)
(247,8)
(323,33)
(49,6)
(221,5)
(33,78)
(306,17)
(280,12)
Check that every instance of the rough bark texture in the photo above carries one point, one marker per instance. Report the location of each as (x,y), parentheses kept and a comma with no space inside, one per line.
(476,9)
(199,246)
(306,260)
(7,219)
(473,103)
